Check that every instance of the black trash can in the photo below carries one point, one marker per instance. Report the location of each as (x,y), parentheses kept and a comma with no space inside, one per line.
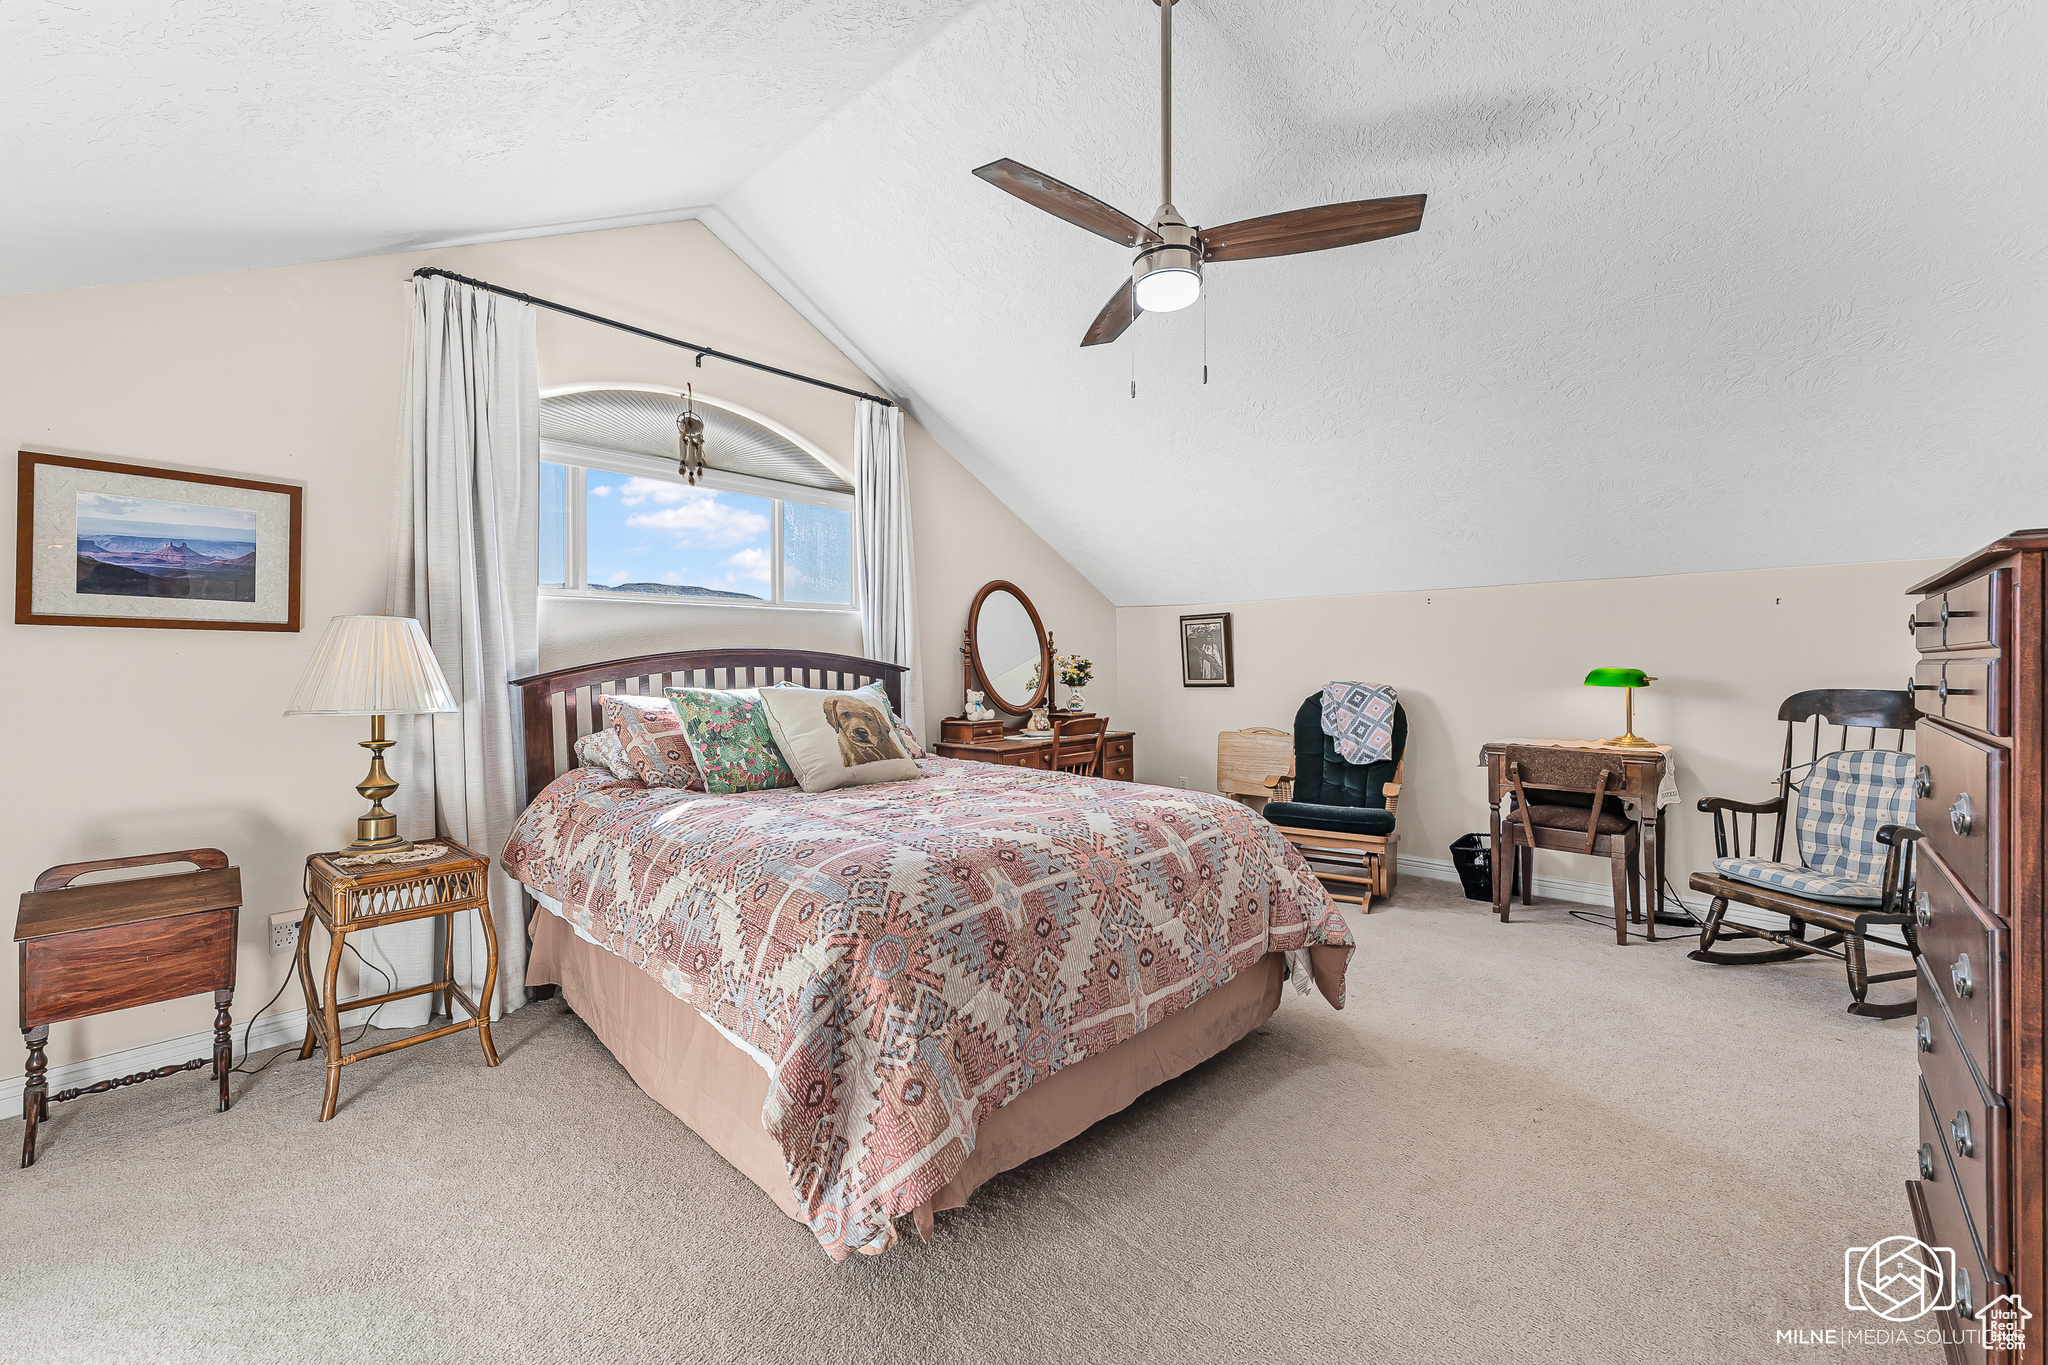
(1473,855)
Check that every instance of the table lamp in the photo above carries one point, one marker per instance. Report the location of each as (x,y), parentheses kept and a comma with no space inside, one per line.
(374,666)
(1631,678)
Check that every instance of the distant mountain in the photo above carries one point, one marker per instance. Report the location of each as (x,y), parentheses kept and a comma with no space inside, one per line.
(175,554)
(122,545)
(675,590)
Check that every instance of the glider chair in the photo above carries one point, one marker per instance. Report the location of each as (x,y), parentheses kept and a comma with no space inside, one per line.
(1852,867)
(1561,803)
(1342,813)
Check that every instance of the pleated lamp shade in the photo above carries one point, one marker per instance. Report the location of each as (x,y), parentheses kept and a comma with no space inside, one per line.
(372,666)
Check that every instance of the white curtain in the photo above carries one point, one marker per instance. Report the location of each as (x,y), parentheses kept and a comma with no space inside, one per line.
(881,529)
(465,566)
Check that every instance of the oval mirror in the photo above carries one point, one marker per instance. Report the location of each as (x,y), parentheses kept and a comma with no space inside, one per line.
(1008,648)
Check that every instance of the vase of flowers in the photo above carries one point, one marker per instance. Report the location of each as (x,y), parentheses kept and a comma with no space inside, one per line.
(1075,671)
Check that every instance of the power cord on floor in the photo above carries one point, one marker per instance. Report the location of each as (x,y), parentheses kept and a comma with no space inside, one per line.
(1671,898)
(249,1030)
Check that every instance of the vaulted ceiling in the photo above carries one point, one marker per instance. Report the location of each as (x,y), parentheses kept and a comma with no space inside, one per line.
(1701,285)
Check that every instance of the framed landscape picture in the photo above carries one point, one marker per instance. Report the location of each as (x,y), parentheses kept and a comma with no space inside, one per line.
(105,544)
(1205,659)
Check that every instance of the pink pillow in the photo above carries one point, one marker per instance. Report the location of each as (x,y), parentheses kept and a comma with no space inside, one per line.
(652,736)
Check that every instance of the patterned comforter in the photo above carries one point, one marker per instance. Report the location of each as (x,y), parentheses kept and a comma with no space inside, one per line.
(909,956)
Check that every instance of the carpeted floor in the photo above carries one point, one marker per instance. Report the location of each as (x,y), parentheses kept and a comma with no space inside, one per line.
(1519,1143)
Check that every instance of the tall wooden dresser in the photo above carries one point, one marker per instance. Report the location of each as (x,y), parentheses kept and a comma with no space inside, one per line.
(1979,685)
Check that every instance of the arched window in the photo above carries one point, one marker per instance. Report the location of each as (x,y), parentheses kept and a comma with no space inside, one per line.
(770,522)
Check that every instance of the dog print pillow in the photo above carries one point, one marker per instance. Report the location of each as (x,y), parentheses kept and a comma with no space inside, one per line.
(836,739)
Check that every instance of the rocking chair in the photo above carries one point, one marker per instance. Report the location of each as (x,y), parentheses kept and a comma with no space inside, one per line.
(1854,844)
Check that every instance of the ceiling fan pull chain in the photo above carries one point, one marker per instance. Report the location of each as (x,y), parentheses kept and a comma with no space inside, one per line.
(1205,334)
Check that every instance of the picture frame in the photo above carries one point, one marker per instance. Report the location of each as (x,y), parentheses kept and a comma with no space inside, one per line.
(1206,659)
(105,543)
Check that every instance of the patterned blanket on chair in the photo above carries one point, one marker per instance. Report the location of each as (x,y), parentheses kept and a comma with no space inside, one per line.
(911,955)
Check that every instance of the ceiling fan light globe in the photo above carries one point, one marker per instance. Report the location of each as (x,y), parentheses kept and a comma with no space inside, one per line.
(1168,289)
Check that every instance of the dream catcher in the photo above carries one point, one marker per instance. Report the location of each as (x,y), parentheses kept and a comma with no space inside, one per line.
(690,440)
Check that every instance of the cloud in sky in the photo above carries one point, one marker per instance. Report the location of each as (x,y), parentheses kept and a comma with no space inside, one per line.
(752,564)
(696,516)
(603,490)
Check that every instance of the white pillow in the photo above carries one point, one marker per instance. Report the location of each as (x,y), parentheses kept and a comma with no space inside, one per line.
(878,694)
(836,739)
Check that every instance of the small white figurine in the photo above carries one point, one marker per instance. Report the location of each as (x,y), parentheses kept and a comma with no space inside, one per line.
(978,707)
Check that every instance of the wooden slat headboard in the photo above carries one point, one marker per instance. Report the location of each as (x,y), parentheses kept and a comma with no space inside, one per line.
(552,729)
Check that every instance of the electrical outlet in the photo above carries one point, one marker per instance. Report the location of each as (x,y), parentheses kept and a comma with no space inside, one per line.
(284,931)
(1180,782)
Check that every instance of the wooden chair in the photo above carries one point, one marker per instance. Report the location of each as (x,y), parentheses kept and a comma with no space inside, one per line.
(1077,745)
(1255,766)
(1342,813)
(1552,818)
(1854,845)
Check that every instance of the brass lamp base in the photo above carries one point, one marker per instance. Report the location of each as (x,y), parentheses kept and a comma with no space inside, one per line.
(1628,738)
(377,828)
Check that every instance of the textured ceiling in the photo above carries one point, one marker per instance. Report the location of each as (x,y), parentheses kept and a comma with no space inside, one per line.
(146,139)
(1701,285)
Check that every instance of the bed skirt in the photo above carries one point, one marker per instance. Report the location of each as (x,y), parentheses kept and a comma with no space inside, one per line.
(688,1067)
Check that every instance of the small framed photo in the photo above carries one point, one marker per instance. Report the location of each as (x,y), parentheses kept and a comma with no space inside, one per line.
(1205,659)
(105,544)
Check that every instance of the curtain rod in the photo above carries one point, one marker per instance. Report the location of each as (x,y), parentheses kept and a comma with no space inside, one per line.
(701,351)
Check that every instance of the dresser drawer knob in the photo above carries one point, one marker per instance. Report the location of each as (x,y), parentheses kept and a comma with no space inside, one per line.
(1944,615)
(1923,910)
(1959,1129)
(1923,781)
(1925,1033)
(1960,815)
(1959,976)
(1927,1161)
(1912,623)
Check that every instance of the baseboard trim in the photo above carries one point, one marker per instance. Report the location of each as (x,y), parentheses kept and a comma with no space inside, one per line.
(272,1030)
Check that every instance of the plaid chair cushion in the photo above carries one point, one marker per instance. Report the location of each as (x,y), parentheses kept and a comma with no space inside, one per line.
(1799,881)
(1844,801)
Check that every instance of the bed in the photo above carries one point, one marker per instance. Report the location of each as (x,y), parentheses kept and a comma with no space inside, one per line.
(871,1000)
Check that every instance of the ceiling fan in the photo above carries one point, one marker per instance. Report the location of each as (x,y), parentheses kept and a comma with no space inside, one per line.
(1167,274)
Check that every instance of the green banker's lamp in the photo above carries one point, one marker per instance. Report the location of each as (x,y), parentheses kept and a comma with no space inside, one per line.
(1631,678)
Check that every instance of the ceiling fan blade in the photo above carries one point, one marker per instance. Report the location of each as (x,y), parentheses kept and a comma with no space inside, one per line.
(1316,229)
(1064,201)
(1116,316)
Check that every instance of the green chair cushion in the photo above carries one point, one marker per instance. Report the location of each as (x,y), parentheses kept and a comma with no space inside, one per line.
(1324,777)
(1337,819)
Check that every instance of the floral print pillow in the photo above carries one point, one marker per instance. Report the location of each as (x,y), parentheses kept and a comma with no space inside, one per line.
(647,729)
(601,750)
(729,740)
(874,692)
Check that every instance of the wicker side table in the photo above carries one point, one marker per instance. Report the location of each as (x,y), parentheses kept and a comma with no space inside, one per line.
(348,893)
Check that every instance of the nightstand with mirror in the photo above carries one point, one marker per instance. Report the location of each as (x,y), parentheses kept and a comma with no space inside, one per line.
(1009,660)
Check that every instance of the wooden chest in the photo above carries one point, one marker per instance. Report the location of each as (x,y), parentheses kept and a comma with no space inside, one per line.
(1983,1151)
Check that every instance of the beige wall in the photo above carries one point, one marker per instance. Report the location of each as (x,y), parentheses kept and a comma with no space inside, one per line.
(1479,664)
(129,740)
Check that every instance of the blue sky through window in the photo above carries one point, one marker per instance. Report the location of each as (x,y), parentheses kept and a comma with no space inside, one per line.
(652,531)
